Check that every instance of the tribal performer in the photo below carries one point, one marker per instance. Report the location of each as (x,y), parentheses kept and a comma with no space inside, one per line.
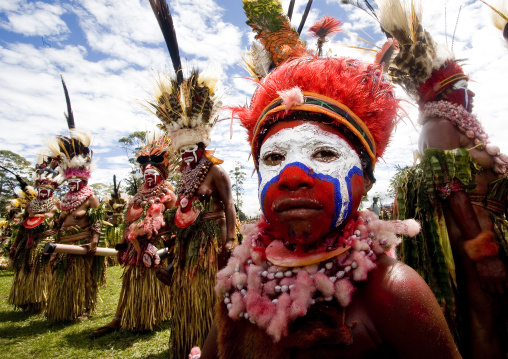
(39,226)
(316,278)
(204,222)
(114,206)
(144,301)
(74,286)
(458,191)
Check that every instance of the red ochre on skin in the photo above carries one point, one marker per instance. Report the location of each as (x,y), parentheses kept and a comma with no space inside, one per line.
(300,207)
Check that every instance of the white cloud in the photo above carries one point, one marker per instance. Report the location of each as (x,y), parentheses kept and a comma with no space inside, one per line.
(33,19)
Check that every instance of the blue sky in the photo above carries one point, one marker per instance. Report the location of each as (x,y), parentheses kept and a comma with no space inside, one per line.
(109,53)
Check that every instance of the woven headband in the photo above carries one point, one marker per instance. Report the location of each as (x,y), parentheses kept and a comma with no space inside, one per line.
(317,103)
(453,78)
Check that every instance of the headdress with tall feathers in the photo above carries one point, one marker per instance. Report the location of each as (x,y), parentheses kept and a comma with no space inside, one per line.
(187,107)
(158,153)
(75,156)
(47,172)
(422,67)
(343,92)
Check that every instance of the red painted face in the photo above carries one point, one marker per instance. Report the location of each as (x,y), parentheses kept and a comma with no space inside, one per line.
(191,154)
(151,176)
(461,95)
(76,184)
(310,180)
(44,193)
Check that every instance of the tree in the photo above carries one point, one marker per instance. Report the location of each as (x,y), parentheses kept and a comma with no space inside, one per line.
(8,182)
(101,190)
(238,177)
(132,144)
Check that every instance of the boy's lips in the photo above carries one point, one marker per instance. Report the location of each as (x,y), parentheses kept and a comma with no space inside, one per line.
(295,205)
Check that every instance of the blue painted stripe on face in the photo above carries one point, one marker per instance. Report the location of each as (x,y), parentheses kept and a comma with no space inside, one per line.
(311,173)
(352,171)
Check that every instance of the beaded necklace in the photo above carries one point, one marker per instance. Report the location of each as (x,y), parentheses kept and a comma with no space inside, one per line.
(42,206)
(192,179)
(272,296)
(72,200)
(151,195)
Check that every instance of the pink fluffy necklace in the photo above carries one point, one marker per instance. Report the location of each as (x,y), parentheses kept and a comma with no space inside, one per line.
(72,200)
(272,295)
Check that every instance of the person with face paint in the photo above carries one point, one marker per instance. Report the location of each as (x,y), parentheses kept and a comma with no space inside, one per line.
(204,225)
(144,301)
(40,221)
(73,289)
(204,220)
(461,185)
(316,278)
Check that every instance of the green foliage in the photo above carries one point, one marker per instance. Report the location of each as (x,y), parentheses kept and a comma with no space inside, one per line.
(101,190)
(8,182)
(237,178)
(31,335)
(132,144)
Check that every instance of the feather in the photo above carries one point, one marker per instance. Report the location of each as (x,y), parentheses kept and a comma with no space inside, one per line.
(273,29)
(290,9)
(69,115)
(384,56)
(161,10)
(363,5)
(304,16)
(291,97)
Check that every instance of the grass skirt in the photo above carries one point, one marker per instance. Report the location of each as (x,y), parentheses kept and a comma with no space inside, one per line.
(67,299)
(31,277)
(144,299)
(191,310)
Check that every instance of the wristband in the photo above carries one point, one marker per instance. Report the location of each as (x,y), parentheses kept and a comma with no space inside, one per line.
(482,246)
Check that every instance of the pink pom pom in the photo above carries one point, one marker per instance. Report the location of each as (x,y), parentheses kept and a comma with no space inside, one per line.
(239,279)
(261,309)
(365,265)
(242,252)
(323,284)
(223,286)
(237,305)
(413,227)
(344,291)
(253,278)
(195,353)
(269,288)
(278,327)
(291,97)
(228,270)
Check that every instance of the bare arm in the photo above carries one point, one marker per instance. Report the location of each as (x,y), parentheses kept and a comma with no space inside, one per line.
(406,313)
(441,133)
(210,350)
(223,185)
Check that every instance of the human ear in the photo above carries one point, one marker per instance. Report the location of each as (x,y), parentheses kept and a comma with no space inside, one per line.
(367,185)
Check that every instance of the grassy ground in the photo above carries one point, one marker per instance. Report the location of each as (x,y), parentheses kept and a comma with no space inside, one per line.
(30,336)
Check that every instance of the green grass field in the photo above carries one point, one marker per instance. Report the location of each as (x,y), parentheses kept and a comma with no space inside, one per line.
(28,336)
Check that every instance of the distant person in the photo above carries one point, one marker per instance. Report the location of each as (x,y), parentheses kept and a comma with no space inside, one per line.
(375,206)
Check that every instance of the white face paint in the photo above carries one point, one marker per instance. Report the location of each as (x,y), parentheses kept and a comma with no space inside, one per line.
(188,154)
(325,153)
(150,175)
(74,184)
(44,192)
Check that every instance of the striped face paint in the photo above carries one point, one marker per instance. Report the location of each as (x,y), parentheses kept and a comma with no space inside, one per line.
(310,180)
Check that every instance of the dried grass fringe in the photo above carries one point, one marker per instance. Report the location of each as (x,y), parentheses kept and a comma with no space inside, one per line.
(144,299)
(66,297)
(191,308)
